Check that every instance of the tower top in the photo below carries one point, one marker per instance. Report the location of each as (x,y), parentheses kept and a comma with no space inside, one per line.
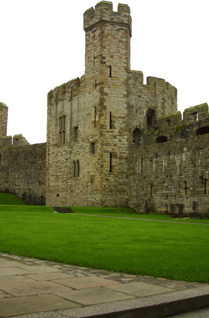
(103,12)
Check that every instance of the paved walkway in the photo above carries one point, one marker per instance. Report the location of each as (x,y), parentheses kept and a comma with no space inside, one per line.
(34,288)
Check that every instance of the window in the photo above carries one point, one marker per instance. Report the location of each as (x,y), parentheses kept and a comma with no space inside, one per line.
(76,169)
(110,71)
(137,136)
(93,148)
(161,139)
(62,130)
(185,188)
(150,117)
(110,120)
(202,130)
(75,134)
(110,161)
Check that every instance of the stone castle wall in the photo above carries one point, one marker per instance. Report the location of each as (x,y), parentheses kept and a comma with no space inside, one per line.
(23,170)
(3,120)
(171,176)
(111,139)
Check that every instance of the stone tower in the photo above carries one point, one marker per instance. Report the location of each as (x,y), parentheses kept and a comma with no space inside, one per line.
(87,144)
(3,120)
(93,120)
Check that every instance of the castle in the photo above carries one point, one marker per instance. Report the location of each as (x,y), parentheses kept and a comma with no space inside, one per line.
(111,139)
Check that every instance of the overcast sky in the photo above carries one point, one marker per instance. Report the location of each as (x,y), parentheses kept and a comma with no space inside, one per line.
(43,46)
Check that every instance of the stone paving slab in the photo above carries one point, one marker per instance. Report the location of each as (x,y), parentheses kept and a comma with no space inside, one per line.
(30,304)
(50,276)
(40,289)
(86,282)
(33,288)
(91,296)
(140,289)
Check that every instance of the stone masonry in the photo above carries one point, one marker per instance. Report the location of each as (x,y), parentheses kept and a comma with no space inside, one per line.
(113,140)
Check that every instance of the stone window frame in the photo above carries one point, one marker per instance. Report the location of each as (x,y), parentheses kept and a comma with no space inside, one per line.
(92,145)
(62,130)
(75,133)
(76,169)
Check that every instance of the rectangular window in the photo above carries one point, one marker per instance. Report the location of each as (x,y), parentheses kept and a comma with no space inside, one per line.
(110,120)
(76,169)
(62,130)
(75,134)
(110,162)
(93,148)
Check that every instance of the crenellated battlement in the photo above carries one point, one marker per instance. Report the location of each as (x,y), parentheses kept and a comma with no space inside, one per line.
(103,12)
(66,90)
(161,83)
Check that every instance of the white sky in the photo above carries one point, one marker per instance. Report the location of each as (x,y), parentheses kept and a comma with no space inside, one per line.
(43,46)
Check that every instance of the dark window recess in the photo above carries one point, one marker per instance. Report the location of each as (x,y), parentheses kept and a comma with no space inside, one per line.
(93,148)
(161,139)
(110,162)
(185,188)
(137,136)
(203,130)
(155,89)
(62,130)
(150,117)
(110,70)
(110,120)
(58,195)
(205,186)
(76,134)
(76,169)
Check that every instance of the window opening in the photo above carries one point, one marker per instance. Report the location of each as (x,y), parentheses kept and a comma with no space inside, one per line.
(150,117)
(62,130)
(155,89)
(195,115)
(110,70)
(205,186)
(76,169)
(75,134)
(95,114)
(203,130)
(110,120)
(110,162)
(161,139)
(142,162)
(137,136)
(93,148)
(168,121)
(185,188)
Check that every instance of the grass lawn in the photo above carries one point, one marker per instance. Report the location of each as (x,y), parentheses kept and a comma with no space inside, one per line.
(129,213)
(170,250)
(8,198)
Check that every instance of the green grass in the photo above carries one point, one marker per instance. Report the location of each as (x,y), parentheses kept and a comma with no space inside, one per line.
(7,198)
(129,213)
(160,249)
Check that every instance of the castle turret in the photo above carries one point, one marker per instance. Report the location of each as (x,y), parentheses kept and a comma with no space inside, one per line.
(3,119)
(107,38)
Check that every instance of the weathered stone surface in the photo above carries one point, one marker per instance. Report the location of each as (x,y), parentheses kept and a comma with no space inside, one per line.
(111,139)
